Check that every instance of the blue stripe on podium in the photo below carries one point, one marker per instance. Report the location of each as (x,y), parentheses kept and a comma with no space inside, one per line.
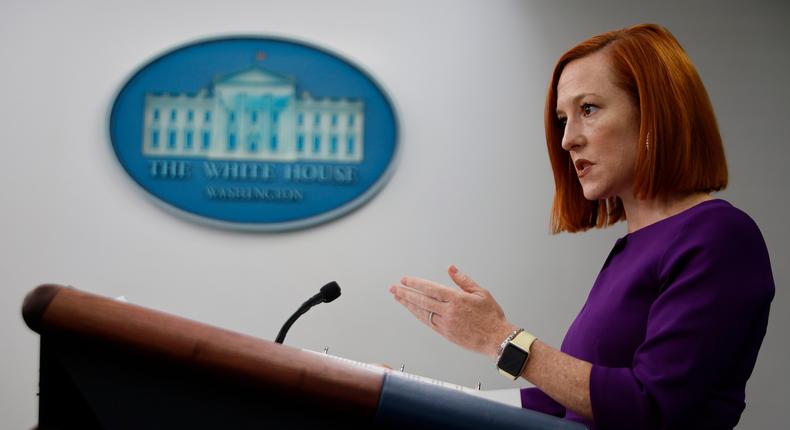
(410,404)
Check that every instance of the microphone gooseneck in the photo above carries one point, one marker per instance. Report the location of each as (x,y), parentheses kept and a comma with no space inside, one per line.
(328,292)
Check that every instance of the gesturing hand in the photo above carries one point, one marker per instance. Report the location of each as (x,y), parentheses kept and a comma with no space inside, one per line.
(469,317)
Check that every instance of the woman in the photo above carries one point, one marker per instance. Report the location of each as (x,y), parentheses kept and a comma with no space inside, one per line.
(671,329)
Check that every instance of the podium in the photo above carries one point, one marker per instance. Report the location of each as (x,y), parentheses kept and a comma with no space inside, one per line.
(106,364)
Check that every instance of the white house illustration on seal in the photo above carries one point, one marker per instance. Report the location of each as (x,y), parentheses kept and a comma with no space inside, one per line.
(253,115)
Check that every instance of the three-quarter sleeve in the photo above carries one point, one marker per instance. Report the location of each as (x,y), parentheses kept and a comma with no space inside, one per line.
(535,399)
(704,327)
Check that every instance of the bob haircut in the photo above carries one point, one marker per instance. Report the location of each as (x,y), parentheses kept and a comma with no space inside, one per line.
(685,153)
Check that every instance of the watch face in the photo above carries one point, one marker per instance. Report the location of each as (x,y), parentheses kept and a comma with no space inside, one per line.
(512,360)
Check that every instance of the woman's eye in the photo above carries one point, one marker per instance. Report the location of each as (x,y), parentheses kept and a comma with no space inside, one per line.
(561,122)
(588,109)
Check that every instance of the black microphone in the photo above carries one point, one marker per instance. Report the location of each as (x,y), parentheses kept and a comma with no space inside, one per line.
(328,292)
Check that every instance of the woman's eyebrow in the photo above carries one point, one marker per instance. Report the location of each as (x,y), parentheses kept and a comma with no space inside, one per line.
(574,100)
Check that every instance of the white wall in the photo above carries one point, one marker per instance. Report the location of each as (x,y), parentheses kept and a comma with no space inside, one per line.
(473,186)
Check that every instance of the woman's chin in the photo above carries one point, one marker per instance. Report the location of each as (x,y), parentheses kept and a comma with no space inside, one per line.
(596,191)
(591,194)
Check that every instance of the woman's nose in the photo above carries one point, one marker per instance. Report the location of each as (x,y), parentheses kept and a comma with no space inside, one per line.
(572,137)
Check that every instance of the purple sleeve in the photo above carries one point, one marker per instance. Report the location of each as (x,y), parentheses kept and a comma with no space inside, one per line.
(533,398)
(715,290)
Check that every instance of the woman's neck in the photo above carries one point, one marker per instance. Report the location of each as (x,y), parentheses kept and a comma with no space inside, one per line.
(641,213)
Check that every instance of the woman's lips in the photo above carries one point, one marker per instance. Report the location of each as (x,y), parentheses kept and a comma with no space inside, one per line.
(583,172)
(583,167)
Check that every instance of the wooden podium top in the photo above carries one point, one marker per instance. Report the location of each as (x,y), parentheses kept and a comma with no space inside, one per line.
(59,310)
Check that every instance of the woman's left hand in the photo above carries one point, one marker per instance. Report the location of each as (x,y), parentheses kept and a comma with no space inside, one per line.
(469,317)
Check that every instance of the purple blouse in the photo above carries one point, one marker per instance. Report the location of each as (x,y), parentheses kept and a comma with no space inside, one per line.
(673,324)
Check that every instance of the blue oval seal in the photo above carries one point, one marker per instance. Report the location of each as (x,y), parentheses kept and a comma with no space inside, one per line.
(255,133)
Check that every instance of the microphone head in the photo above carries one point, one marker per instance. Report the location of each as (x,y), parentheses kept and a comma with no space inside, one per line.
(330,291)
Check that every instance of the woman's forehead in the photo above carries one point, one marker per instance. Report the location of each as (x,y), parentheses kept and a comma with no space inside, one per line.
(592,74)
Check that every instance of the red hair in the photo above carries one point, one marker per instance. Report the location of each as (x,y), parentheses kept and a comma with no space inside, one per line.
(685,154)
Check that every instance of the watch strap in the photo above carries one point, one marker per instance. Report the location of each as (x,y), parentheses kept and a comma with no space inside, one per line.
(524,340)
(507,340)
